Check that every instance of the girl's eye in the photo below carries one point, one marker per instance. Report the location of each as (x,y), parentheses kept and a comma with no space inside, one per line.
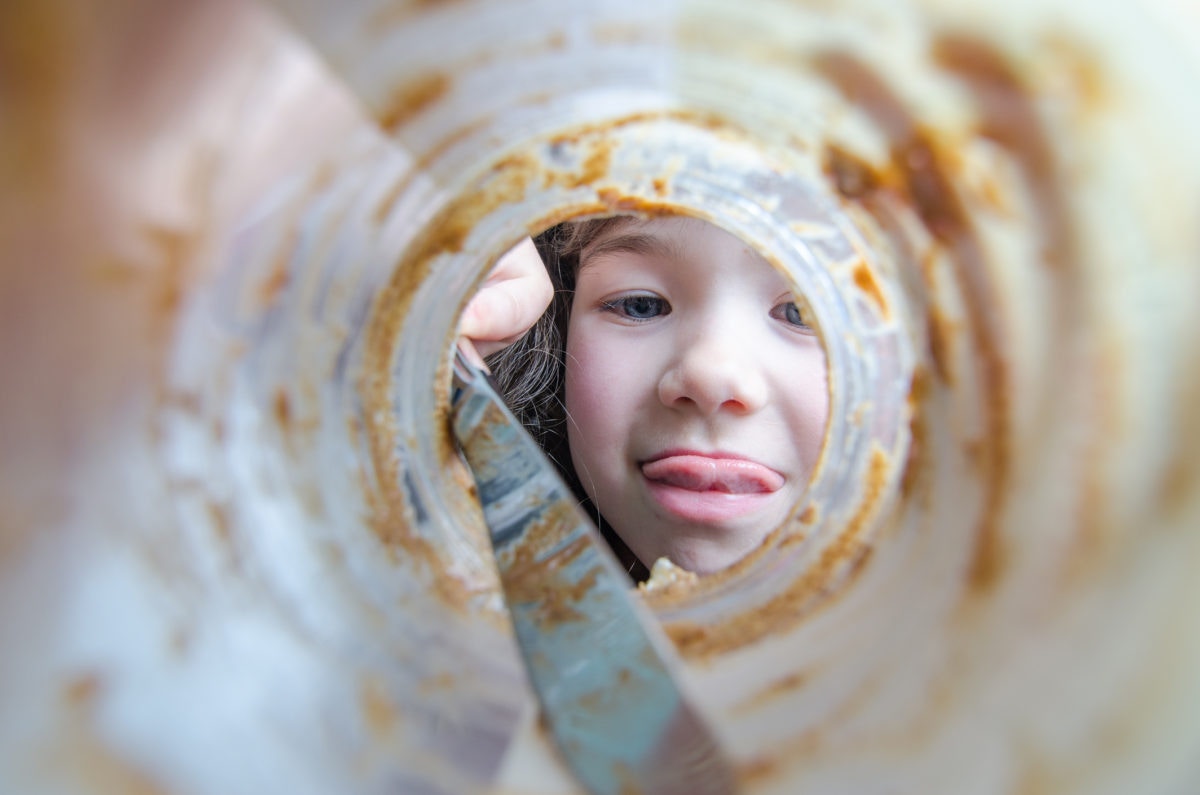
(638,307)
(789,312)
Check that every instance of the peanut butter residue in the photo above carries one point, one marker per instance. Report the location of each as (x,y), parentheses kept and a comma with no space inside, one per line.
(378,707)
(666,577)
(413,98)
(767,695)
(507,181)
(852,176)
(845,555)
(536,572)
(864,279)
(924,165)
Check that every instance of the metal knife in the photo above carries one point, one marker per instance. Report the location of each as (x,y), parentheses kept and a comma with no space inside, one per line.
(603,671)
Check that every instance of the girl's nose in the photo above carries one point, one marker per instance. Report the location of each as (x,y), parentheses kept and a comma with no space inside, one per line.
(714,373)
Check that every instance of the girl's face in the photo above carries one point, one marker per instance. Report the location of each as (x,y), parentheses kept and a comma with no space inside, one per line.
(695,392)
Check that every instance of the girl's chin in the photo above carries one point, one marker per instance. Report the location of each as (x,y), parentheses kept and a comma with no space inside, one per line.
(710,531)
(707,556)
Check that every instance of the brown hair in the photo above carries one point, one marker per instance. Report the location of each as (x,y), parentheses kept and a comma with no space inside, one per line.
(530,373)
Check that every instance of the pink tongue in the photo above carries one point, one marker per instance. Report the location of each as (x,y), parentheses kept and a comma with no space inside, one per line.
(701,473)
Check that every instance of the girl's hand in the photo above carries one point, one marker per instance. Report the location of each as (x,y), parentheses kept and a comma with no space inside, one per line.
(512,298)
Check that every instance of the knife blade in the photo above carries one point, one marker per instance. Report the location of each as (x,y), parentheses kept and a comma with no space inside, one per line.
(605,675)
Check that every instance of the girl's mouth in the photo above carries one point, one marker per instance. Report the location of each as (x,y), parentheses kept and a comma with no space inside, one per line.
(699,472)
(709,488)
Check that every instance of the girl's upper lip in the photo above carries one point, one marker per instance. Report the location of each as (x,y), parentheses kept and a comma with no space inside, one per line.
(719,454)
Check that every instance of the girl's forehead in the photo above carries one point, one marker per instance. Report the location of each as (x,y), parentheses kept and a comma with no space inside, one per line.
(675,238)
(666,227)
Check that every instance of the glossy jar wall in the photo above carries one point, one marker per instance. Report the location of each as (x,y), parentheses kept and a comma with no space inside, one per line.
(238,554)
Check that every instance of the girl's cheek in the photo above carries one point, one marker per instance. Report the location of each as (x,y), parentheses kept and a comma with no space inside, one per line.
(588,382)
(601,371)
(808,390)
(585,389)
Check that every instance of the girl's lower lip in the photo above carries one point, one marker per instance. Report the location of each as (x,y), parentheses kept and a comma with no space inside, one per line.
(705,507)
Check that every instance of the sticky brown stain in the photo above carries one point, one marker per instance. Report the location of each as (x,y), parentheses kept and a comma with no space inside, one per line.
(597,163)
(989,558)
(175,249)
(82,691)
(531,577)
(1087,82)
(780,687)
(923,172)
(594,167)
(915,464)
(390,514)
(393,194)
(281,405)
(1178,486)
(713,122)
(841,556)
(397,12)
(864,280)
(757,770)
(1009,117)
(377,707)
(615,200)
(510,181)
(661,186)
(941,333)
(221,523)
(852,176)
(273,286)
(412,99)
(422,165)
(809,515)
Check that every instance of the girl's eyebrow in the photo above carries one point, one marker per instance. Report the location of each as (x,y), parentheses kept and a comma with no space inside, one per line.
(629,243)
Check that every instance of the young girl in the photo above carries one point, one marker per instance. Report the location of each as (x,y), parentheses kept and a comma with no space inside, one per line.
(676,385)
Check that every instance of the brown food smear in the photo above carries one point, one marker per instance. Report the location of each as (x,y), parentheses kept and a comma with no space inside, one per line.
(864,279)
(281,404)
(277,280)
(378,707)
(413,98)
(767,695)
(531,577)
(1011,119)
(852,176)
(940,332)
(923,176)
(83,690)
(594,166)
(698,641)
(390,516)
(915,474)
